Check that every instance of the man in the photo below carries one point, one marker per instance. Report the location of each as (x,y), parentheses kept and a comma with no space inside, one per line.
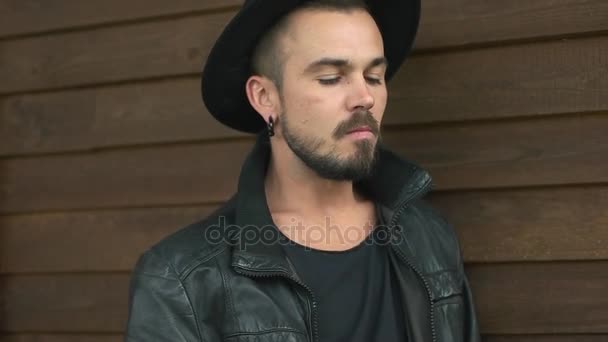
(327,238)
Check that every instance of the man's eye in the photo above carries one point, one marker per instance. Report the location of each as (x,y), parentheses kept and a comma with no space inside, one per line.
(329,81)
(374,80)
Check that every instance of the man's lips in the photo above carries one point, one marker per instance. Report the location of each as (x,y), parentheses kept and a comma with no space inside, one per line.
(360,129)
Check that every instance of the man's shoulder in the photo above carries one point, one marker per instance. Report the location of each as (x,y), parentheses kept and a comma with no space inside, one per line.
(430,234)
(191,245)
(433,220)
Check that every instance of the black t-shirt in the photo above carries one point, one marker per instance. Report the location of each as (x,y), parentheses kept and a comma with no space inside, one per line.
(357,297)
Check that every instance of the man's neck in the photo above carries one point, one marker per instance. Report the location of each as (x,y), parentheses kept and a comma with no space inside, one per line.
(300,201)
(293,187)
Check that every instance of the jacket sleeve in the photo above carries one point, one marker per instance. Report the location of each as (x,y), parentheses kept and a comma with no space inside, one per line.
(159,307)
(471,325)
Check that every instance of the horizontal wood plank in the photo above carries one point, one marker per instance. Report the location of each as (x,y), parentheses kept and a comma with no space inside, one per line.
(120,338)
(30,16)
(477,20)
(464,22)
(546,338)
(565,150)
(61,338)
(481,84)
(165,111)
(543,224)
(530,298)
(493,226)
(64,303)
(179,46)
(568,150)
(98,241)
(140,177)
(141,51)
(541,298)
(520,80)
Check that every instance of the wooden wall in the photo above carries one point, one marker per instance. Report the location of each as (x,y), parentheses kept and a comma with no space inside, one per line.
(105,148)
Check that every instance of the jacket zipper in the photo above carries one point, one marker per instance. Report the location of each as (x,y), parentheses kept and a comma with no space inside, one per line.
(315,336)
(252,273)
(412,266)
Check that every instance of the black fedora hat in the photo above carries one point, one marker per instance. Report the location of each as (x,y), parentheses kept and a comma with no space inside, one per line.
(228,66)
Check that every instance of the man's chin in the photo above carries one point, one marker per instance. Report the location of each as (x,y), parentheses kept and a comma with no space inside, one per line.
(362,146)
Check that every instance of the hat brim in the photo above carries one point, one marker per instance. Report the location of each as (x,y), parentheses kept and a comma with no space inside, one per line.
(228,66)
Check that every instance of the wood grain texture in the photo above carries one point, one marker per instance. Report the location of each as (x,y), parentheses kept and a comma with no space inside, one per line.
(476,20)
(529,298)
(464,22)
(31,16)
(504,82)
(144,113)
(87,241)
(141,177)
(529,224)
(493,83)
(568,150)
(163,48)
(493,226)
(565,150)
(541,298)
(61,338)
(140,51)
(546,338)
(64,303)
(120,338)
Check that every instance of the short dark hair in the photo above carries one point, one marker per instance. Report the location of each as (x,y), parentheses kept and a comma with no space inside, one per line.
(268,58)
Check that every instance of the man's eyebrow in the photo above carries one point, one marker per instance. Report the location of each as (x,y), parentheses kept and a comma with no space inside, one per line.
(334,62)
(341,63)
(379,61)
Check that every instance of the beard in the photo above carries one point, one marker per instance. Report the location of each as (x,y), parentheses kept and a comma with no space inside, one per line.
(334,165)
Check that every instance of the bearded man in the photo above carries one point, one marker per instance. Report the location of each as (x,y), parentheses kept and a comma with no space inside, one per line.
(327,237)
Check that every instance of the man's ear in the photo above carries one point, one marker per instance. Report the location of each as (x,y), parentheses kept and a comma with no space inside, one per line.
(263,96)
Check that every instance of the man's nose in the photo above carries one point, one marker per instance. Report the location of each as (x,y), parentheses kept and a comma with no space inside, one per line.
(361,96)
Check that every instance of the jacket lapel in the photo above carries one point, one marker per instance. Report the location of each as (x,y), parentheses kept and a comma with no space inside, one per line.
(394,183)
(253,216)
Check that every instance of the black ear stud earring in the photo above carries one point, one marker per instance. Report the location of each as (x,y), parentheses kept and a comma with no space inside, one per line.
(270,126)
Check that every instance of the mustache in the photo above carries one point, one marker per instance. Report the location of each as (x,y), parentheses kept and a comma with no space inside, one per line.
(358,119)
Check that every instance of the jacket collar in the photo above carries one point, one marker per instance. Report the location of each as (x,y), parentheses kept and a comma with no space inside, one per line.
(393,183)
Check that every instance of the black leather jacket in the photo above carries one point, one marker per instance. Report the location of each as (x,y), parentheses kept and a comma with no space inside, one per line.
(211,282)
